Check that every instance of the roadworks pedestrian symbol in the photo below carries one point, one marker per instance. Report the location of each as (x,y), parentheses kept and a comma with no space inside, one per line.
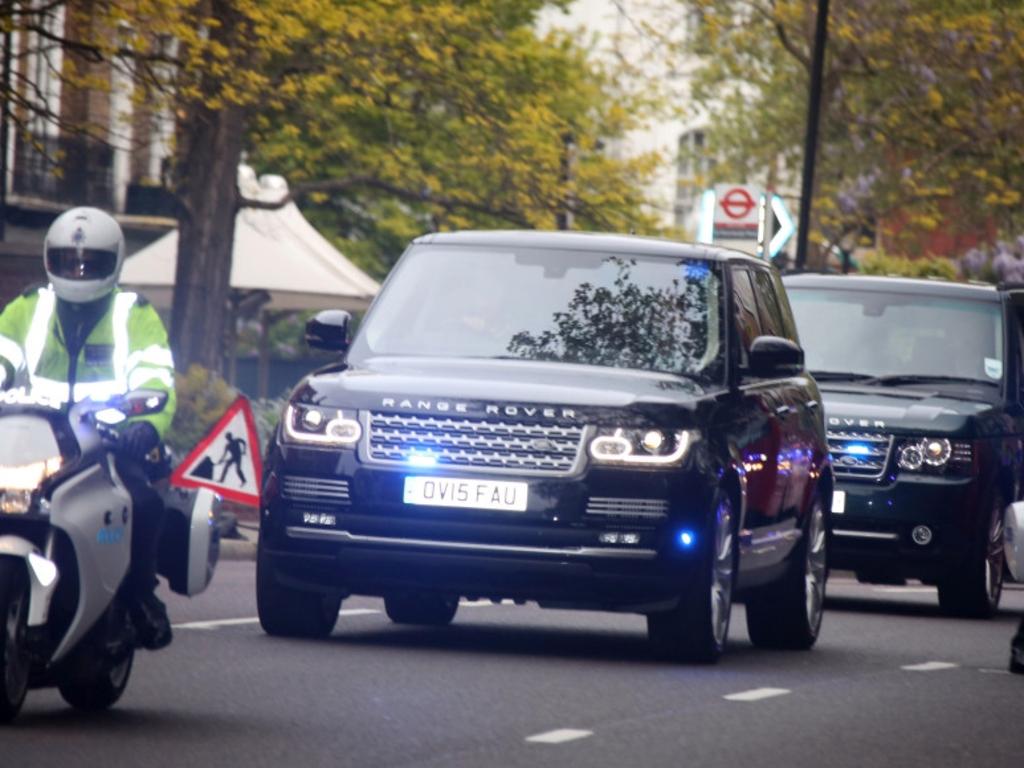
(227,460)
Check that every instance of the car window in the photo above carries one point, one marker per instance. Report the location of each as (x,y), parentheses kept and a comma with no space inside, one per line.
(748,322)
(788,319)
(890,333)
(591,308)
(769,311)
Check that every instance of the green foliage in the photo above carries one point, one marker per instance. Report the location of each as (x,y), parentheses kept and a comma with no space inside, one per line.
(452,115)
(203,397)
(879,263)
(921,109)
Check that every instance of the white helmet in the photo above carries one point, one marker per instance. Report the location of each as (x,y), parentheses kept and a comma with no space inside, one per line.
(83,254)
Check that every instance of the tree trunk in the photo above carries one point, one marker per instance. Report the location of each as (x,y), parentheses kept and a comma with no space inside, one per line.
(210,136)
(209,152)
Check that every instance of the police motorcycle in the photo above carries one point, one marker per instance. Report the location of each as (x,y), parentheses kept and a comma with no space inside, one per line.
(65,548)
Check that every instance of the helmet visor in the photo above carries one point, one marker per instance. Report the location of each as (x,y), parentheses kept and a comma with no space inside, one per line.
(81,263)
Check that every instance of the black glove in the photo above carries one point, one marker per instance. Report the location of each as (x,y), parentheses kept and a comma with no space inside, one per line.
(137,440)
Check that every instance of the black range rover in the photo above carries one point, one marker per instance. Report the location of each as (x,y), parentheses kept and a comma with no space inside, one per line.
(923,389)
(590,421)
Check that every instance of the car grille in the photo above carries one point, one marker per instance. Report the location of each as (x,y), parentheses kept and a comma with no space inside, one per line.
(476,443)
(859,454)
(315,490)
(608,506)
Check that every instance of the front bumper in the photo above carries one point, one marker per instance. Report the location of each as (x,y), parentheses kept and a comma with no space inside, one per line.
(372,543)
(874,533)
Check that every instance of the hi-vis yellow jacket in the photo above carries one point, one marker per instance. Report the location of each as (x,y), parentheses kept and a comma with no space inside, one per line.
(126,350)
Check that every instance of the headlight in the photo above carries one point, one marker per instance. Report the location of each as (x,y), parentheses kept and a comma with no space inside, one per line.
(642,447)
(17,484)
(314,425)
(935,454)
(27,477)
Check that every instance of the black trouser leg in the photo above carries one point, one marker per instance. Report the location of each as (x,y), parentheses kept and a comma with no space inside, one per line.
(147,523)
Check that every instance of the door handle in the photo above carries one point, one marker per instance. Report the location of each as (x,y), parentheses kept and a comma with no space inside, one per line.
(812,405)
(783,410)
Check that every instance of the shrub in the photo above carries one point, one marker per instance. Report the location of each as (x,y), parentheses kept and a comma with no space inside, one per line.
(203,397)
(879,263)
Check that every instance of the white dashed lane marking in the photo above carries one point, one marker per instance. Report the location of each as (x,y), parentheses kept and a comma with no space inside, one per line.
(217,623)
(757,694)
(930,666)
(559,736)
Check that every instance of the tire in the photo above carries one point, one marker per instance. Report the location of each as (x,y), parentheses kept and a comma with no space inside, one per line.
(974,591)
(787,614)
(696,630)
(287,612)
(423,608)
(94,678)
(14,662)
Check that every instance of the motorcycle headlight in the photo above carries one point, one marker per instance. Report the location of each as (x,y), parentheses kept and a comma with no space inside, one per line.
(314,425)
(17,484)
(642,447)
(935,454)
(27,477)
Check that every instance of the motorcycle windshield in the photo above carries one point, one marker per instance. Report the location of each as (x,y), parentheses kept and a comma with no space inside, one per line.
(26,439)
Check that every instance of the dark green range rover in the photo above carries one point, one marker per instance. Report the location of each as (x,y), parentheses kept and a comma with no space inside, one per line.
(923,387)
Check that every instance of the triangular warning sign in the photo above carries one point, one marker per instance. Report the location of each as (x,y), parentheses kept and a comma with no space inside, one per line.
(227,460)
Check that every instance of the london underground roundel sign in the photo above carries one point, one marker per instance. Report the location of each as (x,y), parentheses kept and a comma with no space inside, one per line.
(736,211)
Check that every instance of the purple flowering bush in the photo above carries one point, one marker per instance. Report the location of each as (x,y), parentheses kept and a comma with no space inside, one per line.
(1003,262)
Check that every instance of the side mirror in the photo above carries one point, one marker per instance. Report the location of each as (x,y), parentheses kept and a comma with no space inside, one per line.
(329,330)
(772,357)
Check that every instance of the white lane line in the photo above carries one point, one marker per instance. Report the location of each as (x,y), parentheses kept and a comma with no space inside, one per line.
(255,620)
(904,590)
(215,624)
(757,694)
(985,671)
(559,736)
(929,666)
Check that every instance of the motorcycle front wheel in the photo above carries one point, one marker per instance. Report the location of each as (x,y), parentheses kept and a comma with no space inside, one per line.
(14,661)
(98,672)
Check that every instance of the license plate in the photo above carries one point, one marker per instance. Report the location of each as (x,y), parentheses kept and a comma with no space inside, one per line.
(467,494)
(838,502)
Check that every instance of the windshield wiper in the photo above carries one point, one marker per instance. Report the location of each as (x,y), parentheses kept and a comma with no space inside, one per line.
(840,376)
(914,378)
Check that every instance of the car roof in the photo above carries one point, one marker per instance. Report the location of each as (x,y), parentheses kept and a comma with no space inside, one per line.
(917,285)
(587,241)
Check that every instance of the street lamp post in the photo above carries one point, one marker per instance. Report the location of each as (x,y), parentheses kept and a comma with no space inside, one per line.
(811,136)
(5,84)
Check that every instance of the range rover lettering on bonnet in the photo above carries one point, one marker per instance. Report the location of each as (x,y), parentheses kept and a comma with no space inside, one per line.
(834,421)
(446,406)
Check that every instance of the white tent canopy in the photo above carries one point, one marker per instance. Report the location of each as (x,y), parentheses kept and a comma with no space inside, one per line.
(276,251)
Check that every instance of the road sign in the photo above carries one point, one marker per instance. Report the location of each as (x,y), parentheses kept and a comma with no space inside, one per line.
(227,460)
(776,226)
(735,216)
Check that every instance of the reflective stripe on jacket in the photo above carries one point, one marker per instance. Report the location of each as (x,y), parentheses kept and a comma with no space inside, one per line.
(126,350)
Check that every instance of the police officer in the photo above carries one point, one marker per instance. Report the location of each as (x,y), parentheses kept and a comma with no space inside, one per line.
(82,337)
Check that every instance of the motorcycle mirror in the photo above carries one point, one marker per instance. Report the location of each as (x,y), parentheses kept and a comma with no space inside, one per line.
(143,401)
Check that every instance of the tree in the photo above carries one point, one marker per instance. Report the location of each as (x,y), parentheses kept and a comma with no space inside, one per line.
(469,119)
(441,112)
(921,107)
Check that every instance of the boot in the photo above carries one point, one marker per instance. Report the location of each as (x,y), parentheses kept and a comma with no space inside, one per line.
(1017,654)
(152,627)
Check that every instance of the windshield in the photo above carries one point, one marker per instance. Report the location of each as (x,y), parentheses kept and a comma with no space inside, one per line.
(876,333)
(620,311)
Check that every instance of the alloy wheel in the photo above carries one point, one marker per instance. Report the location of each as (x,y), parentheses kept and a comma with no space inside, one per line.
(815,573)
(722,573)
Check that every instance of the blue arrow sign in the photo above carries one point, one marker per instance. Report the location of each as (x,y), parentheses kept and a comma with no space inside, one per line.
(786,227)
